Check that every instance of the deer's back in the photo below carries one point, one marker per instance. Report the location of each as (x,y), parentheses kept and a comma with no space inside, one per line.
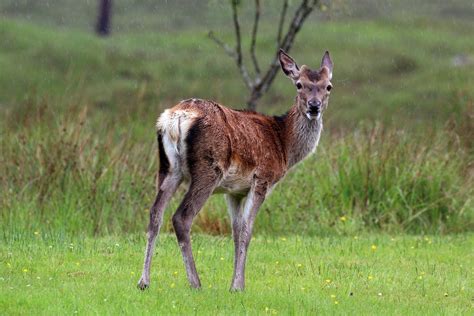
(204,135)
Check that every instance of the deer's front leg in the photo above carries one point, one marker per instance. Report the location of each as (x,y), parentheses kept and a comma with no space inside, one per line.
(234,205)
(254,200)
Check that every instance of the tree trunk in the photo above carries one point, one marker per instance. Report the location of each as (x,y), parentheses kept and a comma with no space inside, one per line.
(254,97)
(103,19)
(251,104)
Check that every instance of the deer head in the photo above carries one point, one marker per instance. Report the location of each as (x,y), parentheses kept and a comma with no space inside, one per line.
(313,86)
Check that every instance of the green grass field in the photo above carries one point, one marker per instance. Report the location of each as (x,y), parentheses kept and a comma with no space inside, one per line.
(384,210)
(78,139)
(363,275)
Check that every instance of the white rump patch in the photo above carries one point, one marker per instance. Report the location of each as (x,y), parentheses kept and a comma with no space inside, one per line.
(174,127)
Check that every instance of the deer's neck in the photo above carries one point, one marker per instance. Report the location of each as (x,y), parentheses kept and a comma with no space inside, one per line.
(301,135)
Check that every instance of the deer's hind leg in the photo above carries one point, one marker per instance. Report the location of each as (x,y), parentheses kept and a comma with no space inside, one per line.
(200,189)
(169,179)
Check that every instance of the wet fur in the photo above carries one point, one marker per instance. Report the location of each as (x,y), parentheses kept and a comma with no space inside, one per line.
(214,149)
(239,145)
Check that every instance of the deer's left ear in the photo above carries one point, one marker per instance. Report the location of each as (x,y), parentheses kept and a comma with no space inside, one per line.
(327,62)
(288,65)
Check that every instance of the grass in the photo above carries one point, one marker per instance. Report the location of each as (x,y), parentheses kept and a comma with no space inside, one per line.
(68,176)
(413,80)
(78,158)
(78,151)
(375,274)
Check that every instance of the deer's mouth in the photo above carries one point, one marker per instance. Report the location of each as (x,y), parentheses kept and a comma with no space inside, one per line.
(313,114)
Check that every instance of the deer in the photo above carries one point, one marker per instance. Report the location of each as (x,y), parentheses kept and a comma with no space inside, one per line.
(242,154)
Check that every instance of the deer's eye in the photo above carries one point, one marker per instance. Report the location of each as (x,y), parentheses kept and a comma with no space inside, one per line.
(299,85)
(328,88)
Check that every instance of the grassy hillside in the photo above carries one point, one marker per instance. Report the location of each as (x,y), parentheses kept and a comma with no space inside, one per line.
(383,70)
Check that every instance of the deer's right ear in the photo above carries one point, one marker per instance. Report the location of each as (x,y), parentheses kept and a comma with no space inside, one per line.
(288,65)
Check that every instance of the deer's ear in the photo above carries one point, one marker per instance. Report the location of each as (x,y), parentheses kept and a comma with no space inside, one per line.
(288,65)
(327,62)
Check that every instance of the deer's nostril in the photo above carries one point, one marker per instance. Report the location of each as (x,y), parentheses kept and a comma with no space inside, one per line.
(314,105)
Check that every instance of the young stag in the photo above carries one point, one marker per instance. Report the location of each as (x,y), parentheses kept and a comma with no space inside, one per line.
(242,154)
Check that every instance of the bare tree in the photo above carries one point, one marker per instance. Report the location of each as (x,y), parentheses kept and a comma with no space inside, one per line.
(258,84)
(103,19)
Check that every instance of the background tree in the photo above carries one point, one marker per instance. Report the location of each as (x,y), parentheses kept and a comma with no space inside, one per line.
(260,82)
(103,18)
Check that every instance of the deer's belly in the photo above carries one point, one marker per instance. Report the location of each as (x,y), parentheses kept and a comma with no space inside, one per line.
(234,184)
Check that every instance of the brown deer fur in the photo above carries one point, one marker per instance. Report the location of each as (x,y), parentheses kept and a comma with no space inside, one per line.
(214,149)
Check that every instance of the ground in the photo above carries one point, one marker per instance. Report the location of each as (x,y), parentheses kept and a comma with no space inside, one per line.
(362,274)
(78,159)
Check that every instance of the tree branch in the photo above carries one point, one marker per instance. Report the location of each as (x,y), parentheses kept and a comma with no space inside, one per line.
(305,8)
(238,41)
(229,51)
(282,22)
(238,48)
(232,53)
(258,86)
(236,53)
(254,40)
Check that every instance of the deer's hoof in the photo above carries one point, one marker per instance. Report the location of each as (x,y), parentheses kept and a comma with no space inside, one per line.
(236,289)
(142,285)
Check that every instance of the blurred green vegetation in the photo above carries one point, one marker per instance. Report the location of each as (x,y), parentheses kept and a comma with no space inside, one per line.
(77,147)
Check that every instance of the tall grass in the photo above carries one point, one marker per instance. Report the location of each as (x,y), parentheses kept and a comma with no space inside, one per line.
(389,179)
(94,174)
